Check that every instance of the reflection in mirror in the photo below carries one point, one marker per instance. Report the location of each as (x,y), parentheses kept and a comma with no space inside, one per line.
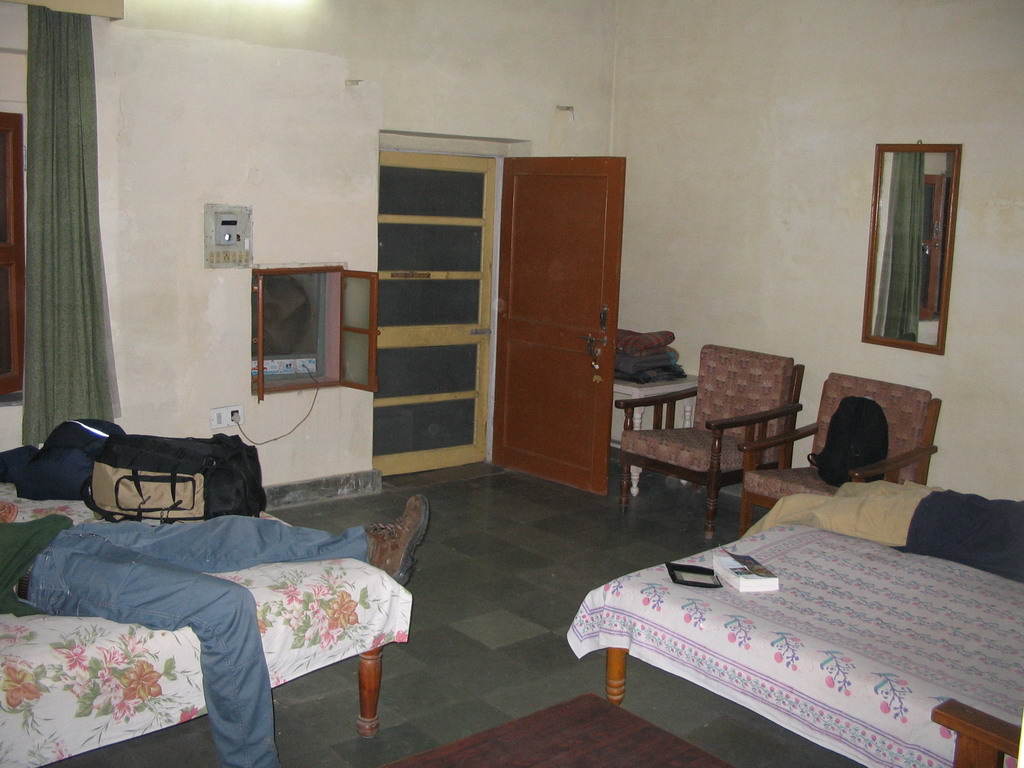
(910,255)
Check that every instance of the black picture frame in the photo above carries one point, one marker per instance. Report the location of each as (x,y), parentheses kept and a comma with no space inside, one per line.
(693,575)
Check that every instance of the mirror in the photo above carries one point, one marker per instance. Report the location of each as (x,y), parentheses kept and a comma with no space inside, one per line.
(910,253)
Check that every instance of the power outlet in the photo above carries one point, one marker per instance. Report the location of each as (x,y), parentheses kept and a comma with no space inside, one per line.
(226,416)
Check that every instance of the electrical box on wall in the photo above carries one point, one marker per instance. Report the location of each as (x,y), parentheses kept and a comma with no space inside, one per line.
(228,236)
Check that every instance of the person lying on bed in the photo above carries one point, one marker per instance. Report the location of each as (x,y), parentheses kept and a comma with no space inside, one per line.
(157,576)
(987,534)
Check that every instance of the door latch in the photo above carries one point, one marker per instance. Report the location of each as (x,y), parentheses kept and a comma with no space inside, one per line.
(593,350)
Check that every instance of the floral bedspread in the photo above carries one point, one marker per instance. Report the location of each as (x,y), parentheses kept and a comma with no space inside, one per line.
(853,651)
(68,685)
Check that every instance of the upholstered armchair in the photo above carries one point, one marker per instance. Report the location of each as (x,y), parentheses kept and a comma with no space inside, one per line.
(981,739)
(911,413)
(740,396)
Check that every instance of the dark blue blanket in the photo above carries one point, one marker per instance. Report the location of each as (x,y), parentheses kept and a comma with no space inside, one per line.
(982,533)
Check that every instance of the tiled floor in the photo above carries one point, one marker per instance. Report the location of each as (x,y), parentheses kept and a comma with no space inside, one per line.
(505,564)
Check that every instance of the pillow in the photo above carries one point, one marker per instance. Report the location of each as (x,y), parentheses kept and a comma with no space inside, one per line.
(879,511)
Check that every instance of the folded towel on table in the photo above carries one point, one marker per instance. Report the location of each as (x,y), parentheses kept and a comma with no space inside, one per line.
(630,364)
(666,373)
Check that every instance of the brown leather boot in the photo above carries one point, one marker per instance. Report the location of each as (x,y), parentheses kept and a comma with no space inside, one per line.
(391,545)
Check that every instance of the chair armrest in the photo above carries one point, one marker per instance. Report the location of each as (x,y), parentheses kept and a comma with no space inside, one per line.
(643,402)
(779,439)
(891,464)
(663,407)
(753,418)
(982,739)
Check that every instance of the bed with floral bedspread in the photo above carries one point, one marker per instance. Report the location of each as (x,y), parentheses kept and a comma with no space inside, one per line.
(855,649)
(69,685)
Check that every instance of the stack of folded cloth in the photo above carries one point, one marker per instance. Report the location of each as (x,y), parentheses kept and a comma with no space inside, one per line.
(646,357)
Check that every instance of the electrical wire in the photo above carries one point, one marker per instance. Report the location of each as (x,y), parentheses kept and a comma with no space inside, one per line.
(316,392)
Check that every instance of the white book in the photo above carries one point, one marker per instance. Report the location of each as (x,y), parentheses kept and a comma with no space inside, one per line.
(744,573)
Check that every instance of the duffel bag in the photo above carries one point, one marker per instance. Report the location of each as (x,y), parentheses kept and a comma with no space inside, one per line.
(144,477)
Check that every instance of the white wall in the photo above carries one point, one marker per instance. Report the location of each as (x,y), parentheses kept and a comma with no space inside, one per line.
(246,102)
(750,131)
(185,122)
(462,67)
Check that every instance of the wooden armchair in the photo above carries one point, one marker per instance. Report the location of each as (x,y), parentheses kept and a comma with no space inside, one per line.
(981,739)
(912,415)
(740,396)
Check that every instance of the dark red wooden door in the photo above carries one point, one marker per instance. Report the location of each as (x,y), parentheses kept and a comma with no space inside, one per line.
(558,296)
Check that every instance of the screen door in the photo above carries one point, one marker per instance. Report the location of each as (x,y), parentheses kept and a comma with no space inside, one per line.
(435,238)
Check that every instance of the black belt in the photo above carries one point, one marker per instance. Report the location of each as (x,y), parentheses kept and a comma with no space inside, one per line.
(22,589)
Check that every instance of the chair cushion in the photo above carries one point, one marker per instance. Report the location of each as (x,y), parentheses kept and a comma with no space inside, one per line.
(686,448)
(776,483)
(734,382)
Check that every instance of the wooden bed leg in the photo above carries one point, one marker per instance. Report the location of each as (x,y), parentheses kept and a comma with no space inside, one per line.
(615,675)
(369,692)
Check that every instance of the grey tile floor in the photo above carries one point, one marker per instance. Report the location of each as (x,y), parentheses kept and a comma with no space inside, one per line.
(504,566)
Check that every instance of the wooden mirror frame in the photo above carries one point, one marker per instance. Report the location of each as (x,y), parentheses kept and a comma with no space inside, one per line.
(935,291)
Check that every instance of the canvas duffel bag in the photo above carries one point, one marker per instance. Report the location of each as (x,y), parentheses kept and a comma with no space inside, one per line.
(144,477)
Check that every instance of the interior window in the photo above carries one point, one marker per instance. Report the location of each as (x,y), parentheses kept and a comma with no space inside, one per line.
(313,327)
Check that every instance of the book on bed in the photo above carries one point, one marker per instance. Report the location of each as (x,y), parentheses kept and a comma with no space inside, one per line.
(744,573)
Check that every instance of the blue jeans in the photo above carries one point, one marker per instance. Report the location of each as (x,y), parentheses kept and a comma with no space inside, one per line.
(156,576)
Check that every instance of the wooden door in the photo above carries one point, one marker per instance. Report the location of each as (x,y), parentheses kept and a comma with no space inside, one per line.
(558,298)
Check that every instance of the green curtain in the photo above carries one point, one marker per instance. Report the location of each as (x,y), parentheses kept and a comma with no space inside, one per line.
(66,360)
(901,260)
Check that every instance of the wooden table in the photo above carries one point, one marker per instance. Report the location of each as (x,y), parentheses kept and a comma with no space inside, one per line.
(581,733)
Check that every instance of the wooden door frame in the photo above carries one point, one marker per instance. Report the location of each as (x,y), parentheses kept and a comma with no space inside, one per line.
(499,150)
(429,335)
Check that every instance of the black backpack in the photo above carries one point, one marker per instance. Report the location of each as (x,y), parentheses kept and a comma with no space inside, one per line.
(858,435)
